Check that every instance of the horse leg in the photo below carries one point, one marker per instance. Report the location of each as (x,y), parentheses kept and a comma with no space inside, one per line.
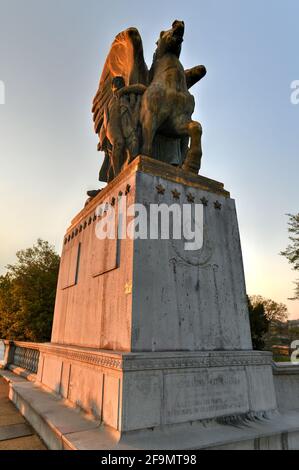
(192,161)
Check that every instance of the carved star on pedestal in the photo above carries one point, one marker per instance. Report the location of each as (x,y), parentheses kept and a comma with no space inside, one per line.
(204,201)
(160,189)
(190,197)
(217,205)
(175,194)
(128,287)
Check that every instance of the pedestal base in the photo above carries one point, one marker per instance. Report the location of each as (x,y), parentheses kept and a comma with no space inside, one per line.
(133,391)
(63,428)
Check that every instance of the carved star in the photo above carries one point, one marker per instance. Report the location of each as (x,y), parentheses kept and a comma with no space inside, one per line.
(128,287)
(176,194)
(160,189)
(204,201)
(217,205)
(190,197)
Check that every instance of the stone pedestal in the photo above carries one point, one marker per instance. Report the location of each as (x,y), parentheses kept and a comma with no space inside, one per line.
(146,333)
(153,295)
(134,391)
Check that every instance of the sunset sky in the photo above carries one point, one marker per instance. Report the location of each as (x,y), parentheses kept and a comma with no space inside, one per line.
(51,57)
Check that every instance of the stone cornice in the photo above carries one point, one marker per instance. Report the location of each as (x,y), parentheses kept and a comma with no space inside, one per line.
(154,167)
(159,360)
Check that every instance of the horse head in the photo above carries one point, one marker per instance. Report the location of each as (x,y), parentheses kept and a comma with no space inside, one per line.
(170,41)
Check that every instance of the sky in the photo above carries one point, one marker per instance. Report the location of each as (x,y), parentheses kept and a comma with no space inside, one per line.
(51,57)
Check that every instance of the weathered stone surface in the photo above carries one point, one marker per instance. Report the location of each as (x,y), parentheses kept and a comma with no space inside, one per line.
(159,335)
(278,431)
(261,379)
(15,433)
(208,393)
(131,391)
(149,335)
(286,381)
(153,295)
(104,269)
(12,431)
(142,399)
(51,376)
(85,388)
(293,441)
(189,300)
(111,400)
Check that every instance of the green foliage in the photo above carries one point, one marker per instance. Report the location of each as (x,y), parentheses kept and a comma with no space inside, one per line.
(276,315)
(274,311)
(292,250)
(27,294)
(278,358)
(293,333)
(259,324)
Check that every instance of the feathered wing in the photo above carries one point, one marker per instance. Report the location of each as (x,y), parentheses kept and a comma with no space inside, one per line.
(125,59)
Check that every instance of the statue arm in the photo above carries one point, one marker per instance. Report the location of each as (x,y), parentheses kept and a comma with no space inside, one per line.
(137,88)
(194,75)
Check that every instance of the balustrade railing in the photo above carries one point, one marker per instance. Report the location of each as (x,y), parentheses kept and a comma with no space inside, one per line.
(27,358)
(20,354)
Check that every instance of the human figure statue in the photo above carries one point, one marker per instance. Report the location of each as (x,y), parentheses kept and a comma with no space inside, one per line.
(119,132)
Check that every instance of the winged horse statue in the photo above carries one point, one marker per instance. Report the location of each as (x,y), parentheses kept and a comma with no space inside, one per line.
(138,110)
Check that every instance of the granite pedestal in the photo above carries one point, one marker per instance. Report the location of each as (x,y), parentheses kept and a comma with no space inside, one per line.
(147,334)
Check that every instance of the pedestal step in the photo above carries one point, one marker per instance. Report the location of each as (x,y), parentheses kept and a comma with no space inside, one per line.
(61,427)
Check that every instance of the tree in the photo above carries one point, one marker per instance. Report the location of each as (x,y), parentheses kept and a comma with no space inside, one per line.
(259,324)
(27,294)
(292,250)
(274,311)
(276,315)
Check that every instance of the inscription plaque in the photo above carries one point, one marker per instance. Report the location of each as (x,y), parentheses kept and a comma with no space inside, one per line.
(205,394)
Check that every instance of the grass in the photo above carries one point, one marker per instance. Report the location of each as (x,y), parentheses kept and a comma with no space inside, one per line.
(277,358)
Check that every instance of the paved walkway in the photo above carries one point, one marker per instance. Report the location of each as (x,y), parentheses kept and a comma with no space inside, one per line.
(15,432)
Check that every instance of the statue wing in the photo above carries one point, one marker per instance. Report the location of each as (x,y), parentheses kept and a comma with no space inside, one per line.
(125,59)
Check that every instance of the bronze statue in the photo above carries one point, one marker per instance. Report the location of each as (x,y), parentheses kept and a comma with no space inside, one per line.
(137,110)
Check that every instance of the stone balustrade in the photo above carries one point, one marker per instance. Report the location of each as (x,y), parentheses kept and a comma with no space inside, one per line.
(24,355)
